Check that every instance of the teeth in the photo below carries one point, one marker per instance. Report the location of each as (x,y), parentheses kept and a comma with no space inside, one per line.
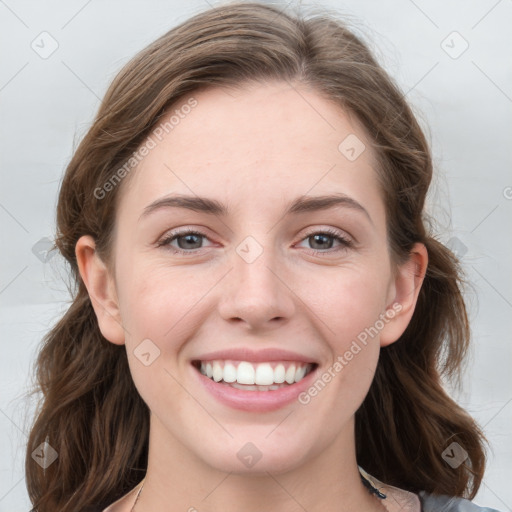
(257,388)
(257,376)
(264,375)
(299,373)
(290,374)
(245,373)
(279,374)
(217,371)
(230,373)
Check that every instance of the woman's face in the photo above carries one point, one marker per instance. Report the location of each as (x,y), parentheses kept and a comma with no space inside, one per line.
(251,284)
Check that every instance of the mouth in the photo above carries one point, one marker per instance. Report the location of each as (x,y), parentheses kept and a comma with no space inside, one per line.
(255,387)
(249,376)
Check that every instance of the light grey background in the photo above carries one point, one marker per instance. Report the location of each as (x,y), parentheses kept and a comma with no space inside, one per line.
(464,102)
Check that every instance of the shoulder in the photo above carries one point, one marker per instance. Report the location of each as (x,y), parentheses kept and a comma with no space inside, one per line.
(404,501)
(442,503)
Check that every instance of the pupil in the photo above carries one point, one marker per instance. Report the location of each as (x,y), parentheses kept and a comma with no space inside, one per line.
(324,237)
(189,239)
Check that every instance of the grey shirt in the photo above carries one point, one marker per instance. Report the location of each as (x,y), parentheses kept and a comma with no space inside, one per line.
(399,499)
(441,503)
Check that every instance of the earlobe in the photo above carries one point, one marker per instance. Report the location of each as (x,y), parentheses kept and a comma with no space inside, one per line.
(407,284)
(101,289)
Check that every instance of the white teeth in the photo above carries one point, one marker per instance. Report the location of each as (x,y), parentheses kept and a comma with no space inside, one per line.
(245,373)
(264,375)
(244,387)
(279,374)
(290,374)
(257,388)
(257,376)
(230,373)
(217,371)
(299,373)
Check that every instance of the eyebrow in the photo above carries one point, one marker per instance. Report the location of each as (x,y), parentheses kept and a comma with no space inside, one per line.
(303,204)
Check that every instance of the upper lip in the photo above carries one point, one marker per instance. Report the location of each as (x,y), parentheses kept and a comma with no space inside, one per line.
(249,355)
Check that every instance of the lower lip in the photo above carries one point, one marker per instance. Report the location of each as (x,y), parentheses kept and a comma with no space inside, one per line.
(256,401)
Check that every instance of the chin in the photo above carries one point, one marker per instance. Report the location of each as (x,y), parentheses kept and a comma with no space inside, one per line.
(255,455)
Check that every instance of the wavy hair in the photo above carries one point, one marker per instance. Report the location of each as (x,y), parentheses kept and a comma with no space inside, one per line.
(90,410)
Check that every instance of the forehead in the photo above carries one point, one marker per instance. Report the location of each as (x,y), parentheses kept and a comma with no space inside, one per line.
(271,142)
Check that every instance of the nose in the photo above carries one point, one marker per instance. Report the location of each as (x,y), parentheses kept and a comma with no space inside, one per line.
(257,293)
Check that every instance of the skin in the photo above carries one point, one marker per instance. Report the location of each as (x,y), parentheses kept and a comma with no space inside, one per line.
(254,150)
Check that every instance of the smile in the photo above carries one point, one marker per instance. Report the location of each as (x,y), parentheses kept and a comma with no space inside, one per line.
(255,381)
(261,376)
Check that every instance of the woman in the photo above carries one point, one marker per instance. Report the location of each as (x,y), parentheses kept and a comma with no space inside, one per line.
(261,319)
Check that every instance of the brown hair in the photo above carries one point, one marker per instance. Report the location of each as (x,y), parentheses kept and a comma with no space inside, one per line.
(91,410)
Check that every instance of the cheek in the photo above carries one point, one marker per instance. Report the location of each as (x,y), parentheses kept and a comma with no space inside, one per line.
(348,301)
(157,299)
(158,311)
(349,307)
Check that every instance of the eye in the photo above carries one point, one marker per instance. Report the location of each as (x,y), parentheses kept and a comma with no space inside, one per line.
(188,240)
(323,241)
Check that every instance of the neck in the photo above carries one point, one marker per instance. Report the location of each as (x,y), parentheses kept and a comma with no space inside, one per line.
(328,481)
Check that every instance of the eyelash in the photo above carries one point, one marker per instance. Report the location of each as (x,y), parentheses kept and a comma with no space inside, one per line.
(345,242)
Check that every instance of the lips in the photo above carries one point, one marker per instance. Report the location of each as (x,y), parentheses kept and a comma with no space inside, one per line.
(256,356)
(261,381)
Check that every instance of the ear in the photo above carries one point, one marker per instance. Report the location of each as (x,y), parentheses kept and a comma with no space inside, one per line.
(403,294)
(101,289)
